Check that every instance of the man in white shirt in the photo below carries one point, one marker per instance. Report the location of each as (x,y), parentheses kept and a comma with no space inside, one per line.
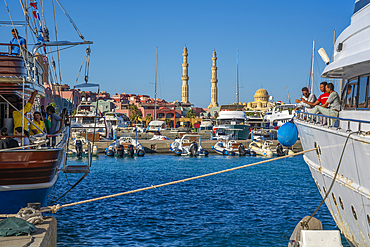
(307,96)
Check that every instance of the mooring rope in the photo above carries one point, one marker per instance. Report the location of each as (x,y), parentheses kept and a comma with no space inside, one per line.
(55,208)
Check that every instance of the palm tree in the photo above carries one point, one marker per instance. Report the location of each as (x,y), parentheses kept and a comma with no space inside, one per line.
(148,119)
(168,120)
(136,114)
(190,114)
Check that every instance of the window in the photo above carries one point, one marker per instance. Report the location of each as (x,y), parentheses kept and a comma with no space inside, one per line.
(350,94)
(363,91)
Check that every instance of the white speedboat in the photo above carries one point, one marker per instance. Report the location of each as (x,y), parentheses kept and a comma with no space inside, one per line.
(348,135)
(189,145)
(263,149)
(232,147)
(158,137)
(125,146)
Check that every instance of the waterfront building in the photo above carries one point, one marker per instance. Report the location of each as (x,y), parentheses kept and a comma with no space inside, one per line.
(214,81)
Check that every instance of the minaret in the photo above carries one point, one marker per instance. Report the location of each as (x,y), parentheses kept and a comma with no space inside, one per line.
(185,77)
(214,82)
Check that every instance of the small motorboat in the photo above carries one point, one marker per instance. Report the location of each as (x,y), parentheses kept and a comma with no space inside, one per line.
(125,146)
(232,147)
(79,146)
(158,137)
(189,145)
(262,149)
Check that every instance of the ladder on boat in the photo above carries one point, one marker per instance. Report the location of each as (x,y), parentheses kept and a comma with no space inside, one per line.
(79,168)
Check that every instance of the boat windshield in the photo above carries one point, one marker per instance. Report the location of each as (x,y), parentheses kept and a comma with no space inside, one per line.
(230,121)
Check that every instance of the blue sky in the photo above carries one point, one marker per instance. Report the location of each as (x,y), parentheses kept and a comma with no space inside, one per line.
(274,39)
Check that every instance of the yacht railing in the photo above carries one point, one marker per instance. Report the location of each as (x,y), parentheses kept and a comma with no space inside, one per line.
(338,123)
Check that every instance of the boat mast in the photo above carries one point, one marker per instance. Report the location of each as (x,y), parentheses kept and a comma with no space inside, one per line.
(288,94)
(312,64)
(237,77)
(155,87)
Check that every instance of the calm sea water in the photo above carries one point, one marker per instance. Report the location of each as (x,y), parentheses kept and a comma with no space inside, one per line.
(255,206)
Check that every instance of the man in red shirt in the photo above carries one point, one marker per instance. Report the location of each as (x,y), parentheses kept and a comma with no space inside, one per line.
(323,97)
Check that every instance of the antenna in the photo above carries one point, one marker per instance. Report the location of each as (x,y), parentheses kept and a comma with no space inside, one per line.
(312,65)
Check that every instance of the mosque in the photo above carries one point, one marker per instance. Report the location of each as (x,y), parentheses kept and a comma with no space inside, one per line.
(261,97)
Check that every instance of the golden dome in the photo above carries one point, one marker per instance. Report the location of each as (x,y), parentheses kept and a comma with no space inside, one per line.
(261,95)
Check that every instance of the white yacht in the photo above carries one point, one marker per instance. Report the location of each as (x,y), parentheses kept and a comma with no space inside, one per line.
(86,120)
(114,120)
(206,124)
(280,114)
(235,122)
(349,199)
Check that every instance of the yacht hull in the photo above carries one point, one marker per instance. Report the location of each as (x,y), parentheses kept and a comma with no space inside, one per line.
(349,199)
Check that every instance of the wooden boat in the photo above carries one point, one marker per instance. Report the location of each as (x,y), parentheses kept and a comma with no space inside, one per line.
(27,173)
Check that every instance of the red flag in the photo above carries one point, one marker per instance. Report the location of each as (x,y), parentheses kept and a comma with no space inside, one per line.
(34,4)
(34,14)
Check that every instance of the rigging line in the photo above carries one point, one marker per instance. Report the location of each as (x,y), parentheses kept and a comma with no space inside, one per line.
(305,223)
(42,12)
(61,49)
(56,36)
(70,19)
(19,45)
(55,208)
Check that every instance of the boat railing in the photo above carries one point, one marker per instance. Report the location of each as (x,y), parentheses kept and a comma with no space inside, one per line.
(9,47)
(346,124)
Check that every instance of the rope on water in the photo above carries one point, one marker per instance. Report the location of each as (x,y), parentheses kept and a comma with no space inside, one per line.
(55,208)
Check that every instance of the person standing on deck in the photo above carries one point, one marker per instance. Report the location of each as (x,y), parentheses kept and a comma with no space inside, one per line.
(54,120)
(17,117)
(46,122)
(323,97)
(17,40)
(310,97)
(38,122)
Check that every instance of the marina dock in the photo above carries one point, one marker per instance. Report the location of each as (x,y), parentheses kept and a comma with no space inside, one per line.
(162,147)
(46,236)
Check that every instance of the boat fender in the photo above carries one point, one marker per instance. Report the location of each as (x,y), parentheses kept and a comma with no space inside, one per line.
(224,152)
(110,152)
(288,134)
(140,153)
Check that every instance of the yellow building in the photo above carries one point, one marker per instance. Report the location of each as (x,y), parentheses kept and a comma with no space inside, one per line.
(261,101)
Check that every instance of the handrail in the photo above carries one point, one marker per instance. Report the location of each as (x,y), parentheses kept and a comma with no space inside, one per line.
(310,118)
(336,118)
